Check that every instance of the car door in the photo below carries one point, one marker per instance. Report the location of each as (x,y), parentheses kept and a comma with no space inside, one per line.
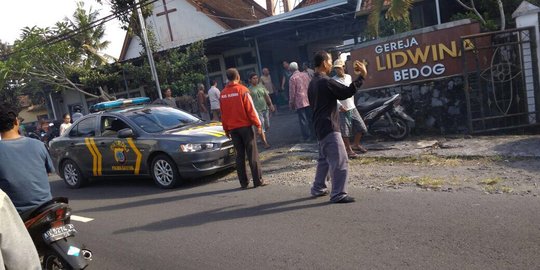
(81,147)
(120,155)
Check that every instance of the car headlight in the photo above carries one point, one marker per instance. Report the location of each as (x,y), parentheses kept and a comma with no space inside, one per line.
(194,147)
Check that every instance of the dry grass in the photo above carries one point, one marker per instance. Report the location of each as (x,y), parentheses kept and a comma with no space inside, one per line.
(426,182)
(494,185)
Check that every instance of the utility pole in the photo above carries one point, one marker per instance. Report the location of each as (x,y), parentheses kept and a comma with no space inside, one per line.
(149,51)
(438,11)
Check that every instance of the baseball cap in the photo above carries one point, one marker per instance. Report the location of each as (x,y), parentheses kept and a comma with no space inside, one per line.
(339,63)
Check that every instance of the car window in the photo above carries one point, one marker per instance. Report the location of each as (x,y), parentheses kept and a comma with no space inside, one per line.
(85,128)
(110,126)
(159,118)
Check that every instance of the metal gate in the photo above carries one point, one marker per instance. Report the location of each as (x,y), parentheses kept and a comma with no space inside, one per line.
(501,80)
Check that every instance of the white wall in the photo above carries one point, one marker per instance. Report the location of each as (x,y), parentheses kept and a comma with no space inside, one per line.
(527,19)
(187,25)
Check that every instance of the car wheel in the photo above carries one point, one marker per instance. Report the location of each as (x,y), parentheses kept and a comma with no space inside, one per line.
(165,172)
(72,175)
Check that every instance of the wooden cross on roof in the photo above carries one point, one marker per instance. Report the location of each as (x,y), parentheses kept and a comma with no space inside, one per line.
(166,13)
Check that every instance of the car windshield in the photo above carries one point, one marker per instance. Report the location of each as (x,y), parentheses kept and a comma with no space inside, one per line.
(158,118)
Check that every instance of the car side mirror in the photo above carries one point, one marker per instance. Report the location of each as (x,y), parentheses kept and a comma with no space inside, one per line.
(126,133)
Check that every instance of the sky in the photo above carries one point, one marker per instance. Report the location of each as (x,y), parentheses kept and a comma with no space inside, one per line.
(17,14)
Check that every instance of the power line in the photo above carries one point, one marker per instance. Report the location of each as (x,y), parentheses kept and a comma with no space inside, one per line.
(74,32)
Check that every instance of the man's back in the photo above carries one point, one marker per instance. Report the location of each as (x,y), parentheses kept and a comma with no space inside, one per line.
(213,95)
(24,167)
(237,109)
(298,87)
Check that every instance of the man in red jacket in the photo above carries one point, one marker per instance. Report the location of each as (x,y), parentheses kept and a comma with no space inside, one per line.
(238,115)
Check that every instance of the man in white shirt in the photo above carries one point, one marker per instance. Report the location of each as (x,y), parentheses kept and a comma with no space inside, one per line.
(213,96)
(351,123)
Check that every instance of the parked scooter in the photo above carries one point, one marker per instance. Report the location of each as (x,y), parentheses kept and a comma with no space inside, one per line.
(53,235)
(385,116)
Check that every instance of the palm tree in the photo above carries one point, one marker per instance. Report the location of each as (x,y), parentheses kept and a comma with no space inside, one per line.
(398,10)
(89,36)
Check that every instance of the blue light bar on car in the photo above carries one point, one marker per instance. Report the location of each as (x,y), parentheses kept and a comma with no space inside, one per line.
(119,103)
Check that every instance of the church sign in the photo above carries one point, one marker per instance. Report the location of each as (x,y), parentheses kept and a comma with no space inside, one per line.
(417,57)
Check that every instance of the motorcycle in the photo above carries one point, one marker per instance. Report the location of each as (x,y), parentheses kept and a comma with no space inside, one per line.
(46,136)
(53,235)
(385,116)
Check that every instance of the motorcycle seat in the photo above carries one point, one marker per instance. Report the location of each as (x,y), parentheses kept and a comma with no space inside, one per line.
(370,105)
(26,215)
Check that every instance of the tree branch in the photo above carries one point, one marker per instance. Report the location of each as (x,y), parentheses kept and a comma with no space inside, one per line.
(473,9)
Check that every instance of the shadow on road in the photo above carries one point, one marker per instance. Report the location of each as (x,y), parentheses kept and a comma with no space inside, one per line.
(526,150)
(226,213)
(126,187)
(160,200)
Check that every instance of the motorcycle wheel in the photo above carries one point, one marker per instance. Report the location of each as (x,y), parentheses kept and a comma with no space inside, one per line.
(72,175)
(52,261)
(165,172)
(401,130)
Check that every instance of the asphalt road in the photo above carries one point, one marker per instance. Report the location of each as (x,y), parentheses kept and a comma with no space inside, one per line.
(215,225)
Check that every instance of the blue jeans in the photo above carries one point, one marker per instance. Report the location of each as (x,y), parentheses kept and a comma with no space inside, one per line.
(306,126)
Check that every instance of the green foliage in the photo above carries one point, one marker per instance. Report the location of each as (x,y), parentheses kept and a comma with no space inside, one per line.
(490,12)
(88,41)
(490,25)
(389,27)
(127,15)
(183,70)
(396,19)
(46,58)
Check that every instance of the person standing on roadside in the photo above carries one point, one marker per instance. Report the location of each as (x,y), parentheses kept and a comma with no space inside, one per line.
(67,123)
(238,115)
(298,100)
(266,80)
(323,95)
(262,103)
(285,77)
(78,113)
(28,187)
(351,123)
(17,250)
(213,96)
(201,101)
(308,70)
(169,100)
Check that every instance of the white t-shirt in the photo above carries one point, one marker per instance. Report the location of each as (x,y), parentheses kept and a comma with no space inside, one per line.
(213,96)
(348,104)
(64,127)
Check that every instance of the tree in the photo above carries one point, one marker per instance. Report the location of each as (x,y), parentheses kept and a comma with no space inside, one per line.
(89,39)
(398,10)
(486,11)
(62,57)
(126,13)
(182,70)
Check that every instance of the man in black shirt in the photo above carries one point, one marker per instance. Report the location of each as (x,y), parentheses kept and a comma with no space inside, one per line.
(323,94)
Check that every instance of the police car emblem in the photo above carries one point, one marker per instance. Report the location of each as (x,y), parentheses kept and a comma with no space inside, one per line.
(119,149)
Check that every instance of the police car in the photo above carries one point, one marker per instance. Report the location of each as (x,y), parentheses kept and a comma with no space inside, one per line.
(130,137)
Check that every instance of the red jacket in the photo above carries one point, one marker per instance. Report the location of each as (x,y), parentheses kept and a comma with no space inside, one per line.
(237,109)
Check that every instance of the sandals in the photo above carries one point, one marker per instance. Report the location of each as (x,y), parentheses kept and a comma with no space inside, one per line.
(360,149)
(353,155)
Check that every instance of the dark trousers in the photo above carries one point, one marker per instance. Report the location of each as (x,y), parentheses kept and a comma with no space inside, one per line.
(306,127)
(244,143)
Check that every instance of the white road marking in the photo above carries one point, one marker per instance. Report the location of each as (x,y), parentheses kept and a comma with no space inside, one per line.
(81,219)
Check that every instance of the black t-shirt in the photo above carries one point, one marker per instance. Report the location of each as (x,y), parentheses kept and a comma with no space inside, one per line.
(323,94)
